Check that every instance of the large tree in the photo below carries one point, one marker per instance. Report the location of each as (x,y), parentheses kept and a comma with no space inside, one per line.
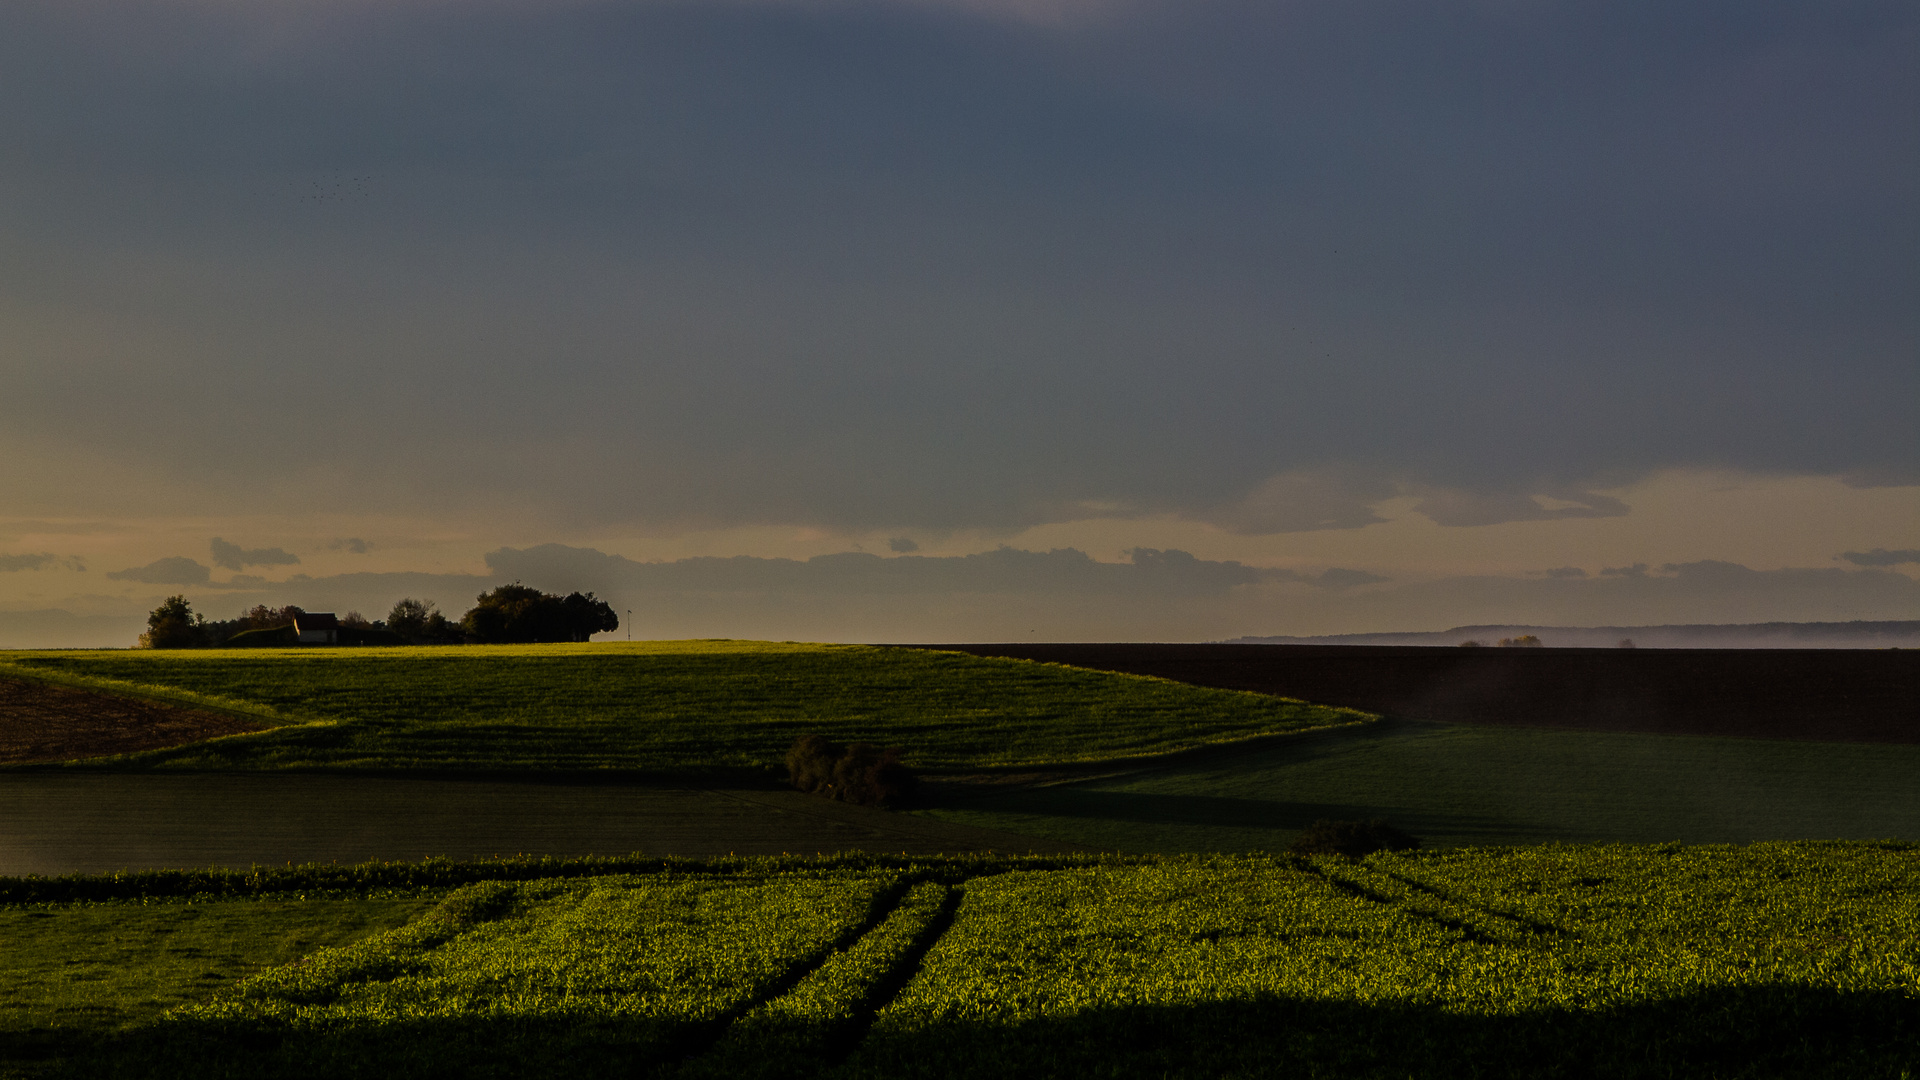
(174,625)
(517,614)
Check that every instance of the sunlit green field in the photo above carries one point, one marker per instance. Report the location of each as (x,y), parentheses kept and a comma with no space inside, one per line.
(666,707)
(1762,961)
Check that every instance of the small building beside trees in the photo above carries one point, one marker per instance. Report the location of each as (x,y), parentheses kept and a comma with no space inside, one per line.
(316,628)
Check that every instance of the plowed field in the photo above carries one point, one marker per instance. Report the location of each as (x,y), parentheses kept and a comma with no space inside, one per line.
(39,722)
(1828,695)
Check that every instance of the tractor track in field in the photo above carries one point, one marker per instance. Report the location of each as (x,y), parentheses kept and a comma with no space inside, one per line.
(708,1034)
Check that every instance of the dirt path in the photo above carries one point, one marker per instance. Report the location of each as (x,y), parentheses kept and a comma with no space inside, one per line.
(39,722)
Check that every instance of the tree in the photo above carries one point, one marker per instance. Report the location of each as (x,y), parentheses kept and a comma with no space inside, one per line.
(262,617)
(174,625)
(409,617)
(517,614)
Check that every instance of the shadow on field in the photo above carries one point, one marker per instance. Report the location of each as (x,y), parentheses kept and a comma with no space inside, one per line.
(1767,1031)
(1762,1031)
(471,1046)
(1161,808)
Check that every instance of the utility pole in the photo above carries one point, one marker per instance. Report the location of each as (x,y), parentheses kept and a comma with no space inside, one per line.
(629,624)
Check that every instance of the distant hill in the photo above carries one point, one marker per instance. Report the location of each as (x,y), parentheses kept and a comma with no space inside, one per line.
(1773,635)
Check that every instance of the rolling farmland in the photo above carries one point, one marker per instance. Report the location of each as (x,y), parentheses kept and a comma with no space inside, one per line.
(1464,959)
(1768,960)
(665,708)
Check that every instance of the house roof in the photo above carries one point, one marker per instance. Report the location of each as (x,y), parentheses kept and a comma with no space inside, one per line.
(315,620)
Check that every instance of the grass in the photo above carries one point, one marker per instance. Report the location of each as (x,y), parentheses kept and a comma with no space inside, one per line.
(1797,959)
(73,973)
(575,977)
(664,707)
(1771,961)
(1461,786)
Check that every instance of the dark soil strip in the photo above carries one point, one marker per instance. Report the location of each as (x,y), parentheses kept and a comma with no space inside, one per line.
(41,722)
(1828,695)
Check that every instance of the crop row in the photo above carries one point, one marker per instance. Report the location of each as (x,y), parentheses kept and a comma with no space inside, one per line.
(1769,960)
(517,979)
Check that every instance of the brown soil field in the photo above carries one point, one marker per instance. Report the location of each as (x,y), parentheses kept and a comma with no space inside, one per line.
(54,723)
(1832,695)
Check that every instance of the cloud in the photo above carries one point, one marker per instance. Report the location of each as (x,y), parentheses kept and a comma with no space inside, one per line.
(1148,572)
(858,265)
(1882,557)
(1338,578)
(1305,500)
(39,561)
(1344,498)
(1565,572)
(1886,475)
(174,570)
(234,557)
(901,545)
(352,545)
(1461,508)
(56,628)
(1637,570)
(24,562)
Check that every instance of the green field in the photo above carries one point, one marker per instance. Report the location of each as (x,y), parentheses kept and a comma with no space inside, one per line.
(664,707)
(1761,961)
(73,973)
(1457,786)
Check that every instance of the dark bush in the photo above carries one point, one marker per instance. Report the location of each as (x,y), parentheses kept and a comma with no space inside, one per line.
(859,773)
(1352,838)
(810,762)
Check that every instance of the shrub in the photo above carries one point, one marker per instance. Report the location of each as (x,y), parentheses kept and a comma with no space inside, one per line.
(1524,641)
(1352,838)
(859,773)
(810,762)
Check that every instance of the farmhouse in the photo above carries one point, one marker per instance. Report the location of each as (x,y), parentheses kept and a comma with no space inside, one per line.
(317,628)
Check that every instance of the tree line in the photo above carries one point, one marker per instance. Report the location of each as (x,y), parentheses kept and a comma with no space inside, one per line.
(507,615)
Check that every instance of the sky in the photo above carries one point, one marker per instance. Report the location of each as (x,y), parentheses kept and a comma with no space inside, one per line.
(961,319)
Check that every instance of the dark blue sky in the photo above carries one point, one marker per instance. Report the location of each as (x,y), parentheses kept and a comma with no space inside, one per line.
(899,266)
